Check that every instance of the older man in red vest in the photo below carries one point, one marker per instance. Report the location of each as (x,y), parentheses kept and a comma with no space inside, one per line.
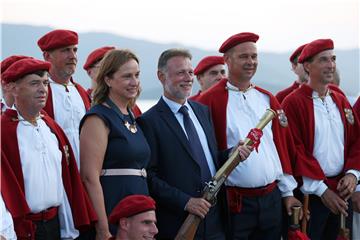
(40,183)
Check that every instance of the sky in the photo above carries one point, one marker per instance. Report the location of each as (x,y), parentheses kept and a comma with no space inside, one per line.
(283,25)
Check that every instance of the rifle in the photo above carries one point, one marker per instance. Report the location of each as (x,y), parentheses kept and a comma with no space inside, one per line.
(192,221)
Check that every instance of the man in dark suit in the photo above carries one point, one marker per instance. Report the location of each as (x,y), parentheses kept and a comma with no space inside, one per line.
(180,164)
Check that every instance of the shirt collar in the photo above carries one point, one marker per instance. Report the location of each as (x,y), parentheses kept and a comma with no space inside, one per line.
(174,106)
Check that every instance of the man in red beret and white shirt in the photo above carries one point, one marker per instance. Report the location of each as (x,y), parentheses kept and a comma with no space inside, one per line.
(209,71)
(67,101)
(256,186)
(135,217)
(298,69)
(325,130)
(40,183)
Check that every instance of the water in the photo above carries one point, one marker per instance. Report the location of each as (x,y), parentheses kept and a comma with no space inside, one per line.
(144,105)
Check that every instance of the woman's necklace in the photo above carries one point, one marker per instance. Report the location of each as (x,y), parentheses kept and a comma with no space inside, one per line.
(130,126)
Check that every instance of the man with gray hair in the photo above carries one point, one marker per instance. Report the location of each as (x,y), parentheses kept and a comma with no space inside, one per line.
(184,153)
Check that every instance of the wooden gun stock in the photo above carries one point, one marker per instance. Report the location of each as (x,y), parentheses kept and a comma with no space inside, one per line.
(188,228)
(191,223)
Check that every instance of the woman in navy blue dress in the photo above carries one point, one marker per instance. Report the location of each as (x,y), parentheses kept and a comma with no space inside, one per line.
(114,152)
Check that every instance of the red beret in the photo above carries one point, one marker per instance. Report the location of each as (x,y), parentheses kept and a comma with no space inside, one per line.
(208,62)
(130,206)
(296,53)
(7,62)
(315,47)
(23,67)
(57,39)
(237,39)
(95,56)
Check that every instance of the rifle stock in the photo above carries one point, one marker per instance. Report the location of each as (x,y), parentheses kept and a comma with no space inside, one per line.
(191,223)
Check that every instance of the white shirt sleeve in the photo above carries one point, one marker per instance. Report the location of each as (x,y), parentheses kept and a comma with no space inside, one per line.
(287,184)
(311,186)
(356,173)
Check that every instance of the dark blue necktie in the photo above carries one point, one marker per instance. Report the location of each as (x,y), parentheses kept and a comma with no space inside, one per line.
(195,144)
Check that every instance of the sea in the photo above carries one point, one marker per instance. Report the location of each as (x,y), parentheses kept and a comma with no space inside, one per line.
(144,105)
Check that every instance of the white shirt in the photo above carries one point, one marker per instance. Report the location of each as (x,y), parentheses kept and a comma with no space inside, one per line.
(179,116)
(244,110)
(42,170)
(41,165)
(6,222)
(69,109)
(328,143)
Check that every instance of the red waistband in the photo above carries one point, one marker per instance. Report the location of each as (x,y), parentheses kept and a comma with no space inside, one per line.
(253,192)
(47,214)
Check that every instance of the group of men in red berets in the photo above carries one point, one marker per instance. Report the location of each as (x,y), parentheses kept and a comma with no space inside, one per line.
(311,148)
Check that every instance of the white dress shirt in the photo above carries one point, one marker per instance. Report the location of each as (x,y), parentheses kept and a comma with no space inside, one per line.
(244,110)
(42,170)
(69,109)
(179,116)
(328,143)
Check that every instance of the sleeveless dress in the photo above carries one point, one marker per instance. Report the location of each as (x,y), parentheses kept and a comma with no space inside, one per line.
(124,150)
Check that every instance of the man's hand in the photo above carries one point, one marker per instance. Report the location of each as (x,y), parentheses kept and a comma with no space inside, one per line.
(335,203)
(244,151)
(356,201)
(198,206)
(347,185)
(290,202)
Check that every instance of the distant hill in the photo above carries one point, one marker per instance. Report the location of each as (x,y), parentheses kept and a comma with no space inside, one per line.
(273,71)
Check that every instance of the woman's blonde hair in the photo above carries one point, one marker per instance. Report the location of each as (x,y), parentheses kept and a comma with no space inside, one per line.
(111,62)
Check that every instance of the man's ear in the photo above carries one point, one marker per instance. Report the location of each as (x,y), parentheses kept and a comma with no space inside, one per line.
(46,56)
(226,58)
(161,76)
(306,66)
(88,72)
(124,223)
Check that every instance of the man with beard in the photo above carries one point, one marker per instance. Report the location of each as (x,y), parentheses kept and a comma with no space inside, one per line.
(184,154)
(67,101)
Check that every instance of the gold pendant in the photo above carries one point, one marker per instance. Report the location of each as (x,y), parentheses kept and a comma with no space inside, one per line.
(131,127)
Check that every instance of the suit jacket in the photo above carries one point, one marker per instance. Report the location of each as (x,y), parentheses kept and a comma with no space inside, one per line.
(173,173)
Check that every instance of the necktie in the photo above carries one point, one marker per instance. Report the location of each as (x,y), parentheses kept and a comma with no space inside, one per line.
(195,145)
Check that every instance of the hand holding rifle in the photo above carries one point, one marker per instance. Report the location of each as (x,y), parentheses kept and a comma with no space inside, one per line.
(240,153)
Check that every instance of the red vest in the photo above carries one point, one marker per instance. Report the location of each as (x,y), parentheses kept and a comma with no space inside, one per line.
(283,93)
(299,108)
